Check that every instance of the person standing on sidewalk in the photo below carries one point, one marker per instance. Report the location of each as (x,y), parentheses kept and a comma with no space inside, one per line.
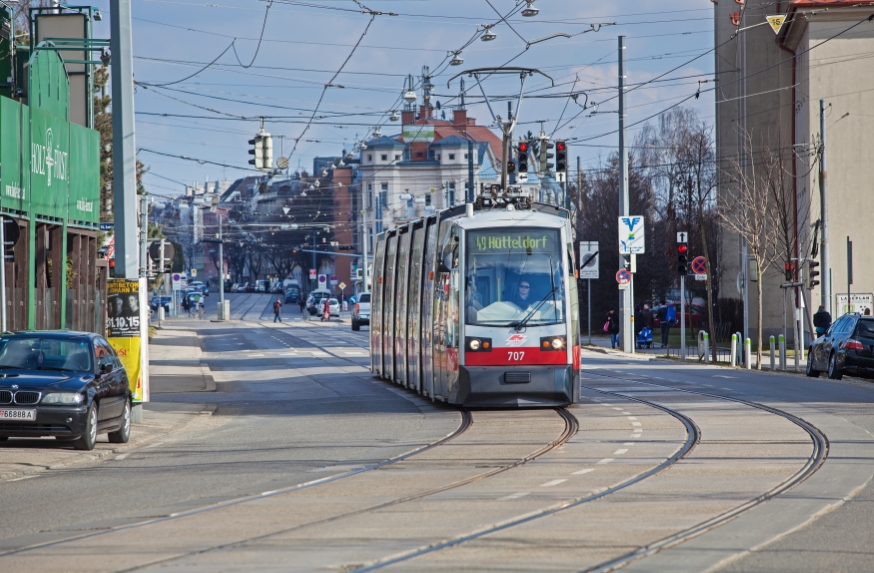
(277,310)
(613,329)
(822,320)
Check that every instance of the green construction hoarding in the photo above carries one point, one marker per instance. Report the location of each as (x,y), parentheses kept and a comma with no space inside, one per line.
(49,167)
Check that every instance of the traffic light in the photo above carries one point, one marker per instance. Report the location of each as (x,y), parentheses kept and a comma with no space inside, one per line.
(262,149)
(545,155)
(523,157)
(788,270)
(511,166)
(812,273)
(561,157)
(682,259)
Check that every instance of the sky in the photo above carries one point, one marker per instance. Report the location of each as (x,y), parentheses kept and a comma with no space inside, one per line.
(306,42)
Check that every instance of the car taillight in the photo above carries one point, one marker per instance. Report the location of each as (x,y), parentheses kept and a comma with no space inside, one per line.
(357,308)
(852,345)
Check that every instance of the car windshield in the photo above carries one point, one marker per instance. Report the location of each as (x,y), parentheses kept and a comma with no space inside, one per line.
(36,353)
(514,275)
(364,298)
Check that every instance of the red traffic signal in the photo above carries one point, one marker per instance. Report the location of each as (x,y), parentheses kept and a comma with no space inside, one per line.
(523,147)
(682,248)
(561,146)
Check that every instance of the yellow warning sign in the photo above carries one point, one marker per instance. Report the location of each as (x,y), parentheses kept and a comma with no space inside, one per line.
(776,22)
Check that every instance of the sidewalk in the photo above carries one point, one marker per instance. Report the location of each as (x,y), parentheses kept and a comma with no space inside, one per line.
(175,367)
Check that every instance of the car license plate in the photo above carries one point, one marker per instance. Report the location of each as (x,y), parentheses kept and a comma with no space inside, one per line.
(16,414)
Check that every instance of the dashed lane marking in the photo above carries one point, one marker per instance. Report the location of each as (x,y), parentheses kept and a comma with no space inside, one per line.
(581,472)
(121,457)
(620,451)
(606,460)
(22,478)
(553,482)
(631,418)
(515,495)
(635,423)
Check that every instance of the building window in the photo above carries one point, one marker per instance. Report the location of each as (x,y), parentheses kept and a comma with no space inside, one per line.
(420,154)
(369,158)
(451,157)
(384,157)
(427,199)
(465,155)
(383,196)
(450,193)
(397,157)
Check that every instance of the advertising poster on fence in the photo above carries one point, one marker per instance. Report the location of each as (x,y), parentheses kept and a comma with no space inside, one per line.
(127,330)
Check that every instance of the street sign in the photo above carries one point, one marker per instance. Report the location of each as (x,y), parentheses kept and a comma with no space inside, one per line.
(323,281)
(631,235)
(699,266)
(177,281)
(193,273)
(342,286)
(313,274)
(334,280)
(776,22)
(589,260)
(682,237)
(623,277)
(106,226)
(701,277)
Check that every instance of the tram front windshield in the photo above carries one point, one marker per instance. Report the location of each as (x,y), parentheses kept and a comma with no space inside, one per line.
(514,276)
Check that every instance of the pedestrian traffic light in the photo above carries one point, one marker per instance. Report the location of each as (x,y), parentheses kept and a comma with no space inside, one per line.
(523,157)
(789,270)
(511,166)
(682,259)
(812,273)
(561,157)
(262,150)
(545,155)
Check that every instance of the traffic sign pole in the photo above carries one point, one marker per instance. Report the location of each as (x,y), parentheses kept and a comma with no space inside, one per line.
(682,318)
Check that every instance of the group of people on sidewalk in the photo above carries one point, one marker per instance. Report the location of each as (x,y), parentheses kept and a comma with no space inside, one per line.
(643,318)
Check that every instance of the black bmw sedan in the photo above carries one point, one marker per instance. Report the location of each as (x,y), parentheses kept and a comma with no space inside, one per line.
(847,346)
(70,385)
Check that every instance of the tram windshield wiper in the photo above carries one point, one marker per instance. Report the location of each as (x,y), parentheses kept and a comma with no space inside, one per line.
(519,325)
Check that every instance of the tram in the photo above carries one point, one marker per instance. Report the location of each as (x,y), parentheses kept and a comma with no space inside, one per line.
(477,305)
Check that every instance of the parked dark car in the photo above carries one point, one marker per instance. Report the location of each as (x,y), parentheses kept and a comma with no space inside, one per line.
(70,385)
(165,302)
(292,295)
(847,346)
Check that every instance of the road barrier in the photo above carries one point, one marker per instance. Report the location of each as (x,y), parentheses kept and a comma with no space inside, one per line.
(782,353)
(747,354)
(773,358)
(734,349)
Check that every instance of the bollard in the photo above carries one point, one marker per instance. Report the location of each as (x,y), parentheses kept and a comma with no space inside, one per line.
(782,353)
(773,358)
(747,352)
(706,348)
(734,349)
(160,316)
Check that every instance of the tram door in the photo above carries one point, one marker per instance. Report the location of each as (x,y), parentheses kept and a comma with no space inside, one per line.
(446,310)
(429,276)
(414,308)
(401,310)
(376,305)
(388,315)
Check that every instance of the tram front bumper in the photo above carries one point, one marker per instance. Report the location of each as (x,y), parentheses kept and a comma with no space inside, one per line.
(498,387)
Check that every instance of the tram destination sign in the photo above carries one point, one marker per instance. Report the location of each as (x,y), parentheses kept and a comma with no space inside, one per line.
(502,241)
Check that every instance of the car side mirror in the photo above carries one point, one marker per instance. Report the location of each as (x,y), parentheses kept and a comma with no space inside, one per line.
(105,368)
(443,265)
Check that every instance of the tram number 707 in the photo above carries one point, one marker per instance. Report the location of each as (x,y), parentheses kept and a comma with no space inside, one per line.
(515,356)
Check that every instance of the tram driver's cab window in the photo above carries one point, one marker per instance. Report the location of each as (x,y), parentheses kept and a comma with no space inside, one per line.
(514,275)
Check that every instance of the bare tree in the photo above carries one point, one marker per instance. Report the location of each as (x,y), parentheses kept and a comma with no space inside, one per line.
(749,211)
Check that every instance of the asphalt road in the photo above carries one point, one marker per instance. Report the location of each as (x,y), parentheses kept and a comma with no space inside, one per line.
(309,463)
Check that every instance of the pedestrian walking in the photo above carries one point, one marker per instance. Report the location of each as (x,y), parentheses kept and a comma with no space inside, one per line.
(612,328)
(186,305)
(277,310)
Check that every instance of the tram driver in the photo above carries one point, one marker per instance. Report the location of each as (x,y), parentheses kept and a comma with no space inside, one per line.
(523,298)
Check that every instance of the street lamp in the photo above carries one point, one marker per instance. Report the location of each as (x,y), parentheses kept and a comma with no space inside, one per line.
(488,35)
(530,11)
(456,60)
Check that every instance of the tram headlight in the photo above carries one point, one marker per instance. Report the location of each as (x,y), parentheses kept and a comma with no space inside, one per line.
(553,343)
(478,344)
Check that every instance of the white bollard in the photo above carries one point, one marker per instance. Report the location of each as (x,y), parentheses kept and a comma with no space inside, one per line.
(773,358)
(734,349)
(747,352)
(782,353)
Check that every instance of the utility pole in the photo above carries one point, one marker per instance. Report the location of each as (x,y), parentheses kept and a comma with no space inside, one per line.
(470,193)
(825,286)
(505,151)
(364,236)
(124,159)
(144,235)
(626,296)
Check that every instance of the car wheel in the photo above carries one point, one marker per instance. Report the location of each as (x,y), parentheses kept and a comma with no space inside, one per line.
(87,440)
(833,371)
(355,326)
(811,371)
(122,435)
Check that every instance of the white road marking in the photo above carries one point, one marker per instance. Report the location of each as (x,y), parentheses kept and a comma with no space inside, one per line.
(155,445)
(626,413)
(628,444)
(22,478)
(721,376)
(631,418)
(635,423)
(255,355)
(581,472)
(516,495)
(620,451)
(635,435)
(606,461)
(553,482)
(620,409)
(121,457)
